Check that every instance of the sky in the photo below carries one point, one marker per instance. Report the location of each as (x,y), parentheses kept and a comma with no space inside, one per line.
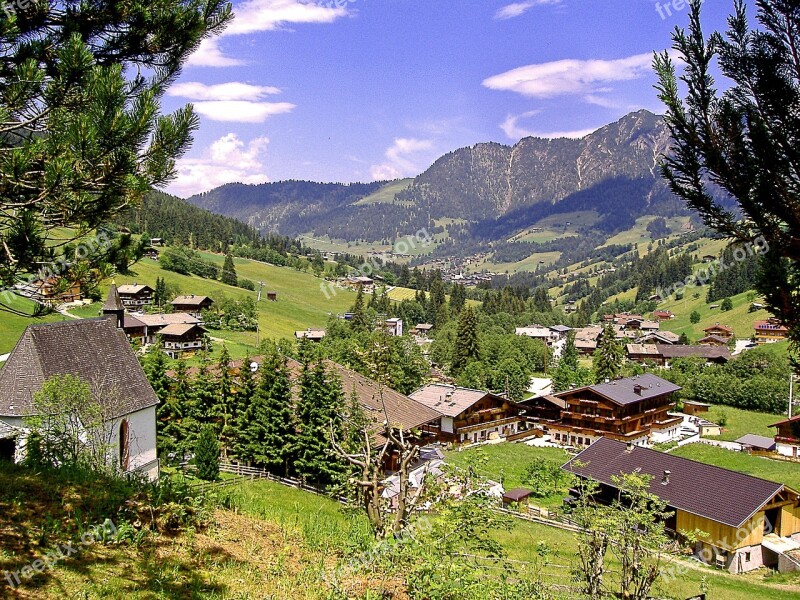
(365,90)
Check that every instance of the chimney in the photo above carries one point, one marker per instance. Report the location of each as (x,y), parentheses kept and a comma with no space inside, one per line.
(665,478)
(629,447)
(637,389)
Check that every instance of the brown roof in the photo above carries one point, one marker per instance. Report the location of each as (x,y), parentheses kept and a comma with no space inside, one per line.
(401,411)
(162,319)
(719,327)
(715,493)
(190,300)
(683,351)
(92,349)
(180,329)
(449,400)
(133,288)
(794,419)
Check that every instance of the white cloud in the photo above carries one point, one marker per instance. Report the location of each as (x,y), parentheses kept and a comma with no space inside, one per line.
(511,11)
(241,111)
(269,15)
(233,90)
(225,160)
(586,78)
(208,54)
(512,128)
(232,102)
(254,16)
(403,159)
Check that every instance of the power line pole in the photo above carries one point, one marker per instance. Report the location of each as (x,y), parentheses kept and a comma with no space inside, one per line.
(260,287)
(791,393)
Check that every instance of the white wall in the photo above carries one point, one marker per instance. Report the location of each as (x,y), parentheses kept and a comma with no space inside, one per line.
(142,441)
(447,424)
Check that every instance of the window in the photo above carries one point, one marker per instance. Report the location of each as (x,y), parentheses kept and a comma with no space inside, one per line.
(124,445)
(746,557)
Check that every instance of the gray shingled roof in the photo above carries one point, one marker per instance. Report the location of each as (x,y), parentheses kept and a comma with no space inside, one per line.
(92,349)
(757,441)
(684,351)
(715,493)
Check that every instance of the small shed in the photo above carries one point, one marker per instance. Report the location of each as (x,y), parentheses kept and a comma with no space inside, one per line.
(272,296)
(693,407)
(517,496)
(751,442)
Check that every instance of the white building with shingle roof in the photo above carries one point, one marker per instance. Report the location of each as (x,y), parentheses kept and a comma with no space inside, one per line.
(98,352)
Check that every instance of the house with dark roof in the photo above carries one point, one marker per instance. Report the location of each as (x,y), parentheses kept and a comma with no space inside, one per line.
(787,437)
(634,409)
(135,296)
(470,416)
(712,354)
(749,522)
(182,339)
(719,330)
(98,352)
(713,340)
(192,305)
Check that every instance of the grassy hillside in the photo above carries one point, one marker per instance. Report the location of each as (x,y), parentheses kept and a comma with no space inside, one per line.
(387,193)
(301,302)
(739,318)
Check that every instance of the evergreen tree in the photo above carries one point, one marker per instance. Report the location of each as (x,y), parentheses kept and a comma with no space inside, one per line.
(160,296)
(359,321)
(278,428)
(245,389)
(458,297)
(568,373)
(319,405)
(436,297)
(467,346)
(204,396)
(694,318)
(180,425)
(206,454)
(608,356)
(228,274)
(726,305)
(743,139)
(87,77)
(223,408)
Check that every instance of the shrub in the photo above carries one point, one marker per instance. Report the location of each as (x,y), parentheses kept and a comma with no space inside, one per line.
(206,455)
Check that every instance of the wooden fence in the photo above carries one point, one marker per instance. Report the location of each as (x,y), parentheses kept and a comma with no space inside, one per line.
(246,473)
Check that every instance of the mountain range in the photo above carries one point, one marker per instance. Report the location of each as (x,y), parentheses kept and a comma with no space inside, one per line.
(488,191)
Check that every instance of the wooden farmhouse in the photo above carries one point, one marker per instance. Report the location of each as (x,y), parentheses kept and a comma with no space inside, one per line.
(749,522)
(635,409)
(722,331)
(787,437)
(182,339)
(468,416)
(135,297)
(96,351)
(52,291)
(771,330)
(192,305)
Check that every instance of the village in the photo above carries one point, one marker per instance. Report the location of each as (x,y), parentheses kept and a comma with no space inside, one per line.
(619,425)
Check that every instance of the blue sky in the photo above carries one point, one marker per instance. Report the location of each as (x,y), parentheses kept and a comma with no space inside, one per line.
(358,90)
